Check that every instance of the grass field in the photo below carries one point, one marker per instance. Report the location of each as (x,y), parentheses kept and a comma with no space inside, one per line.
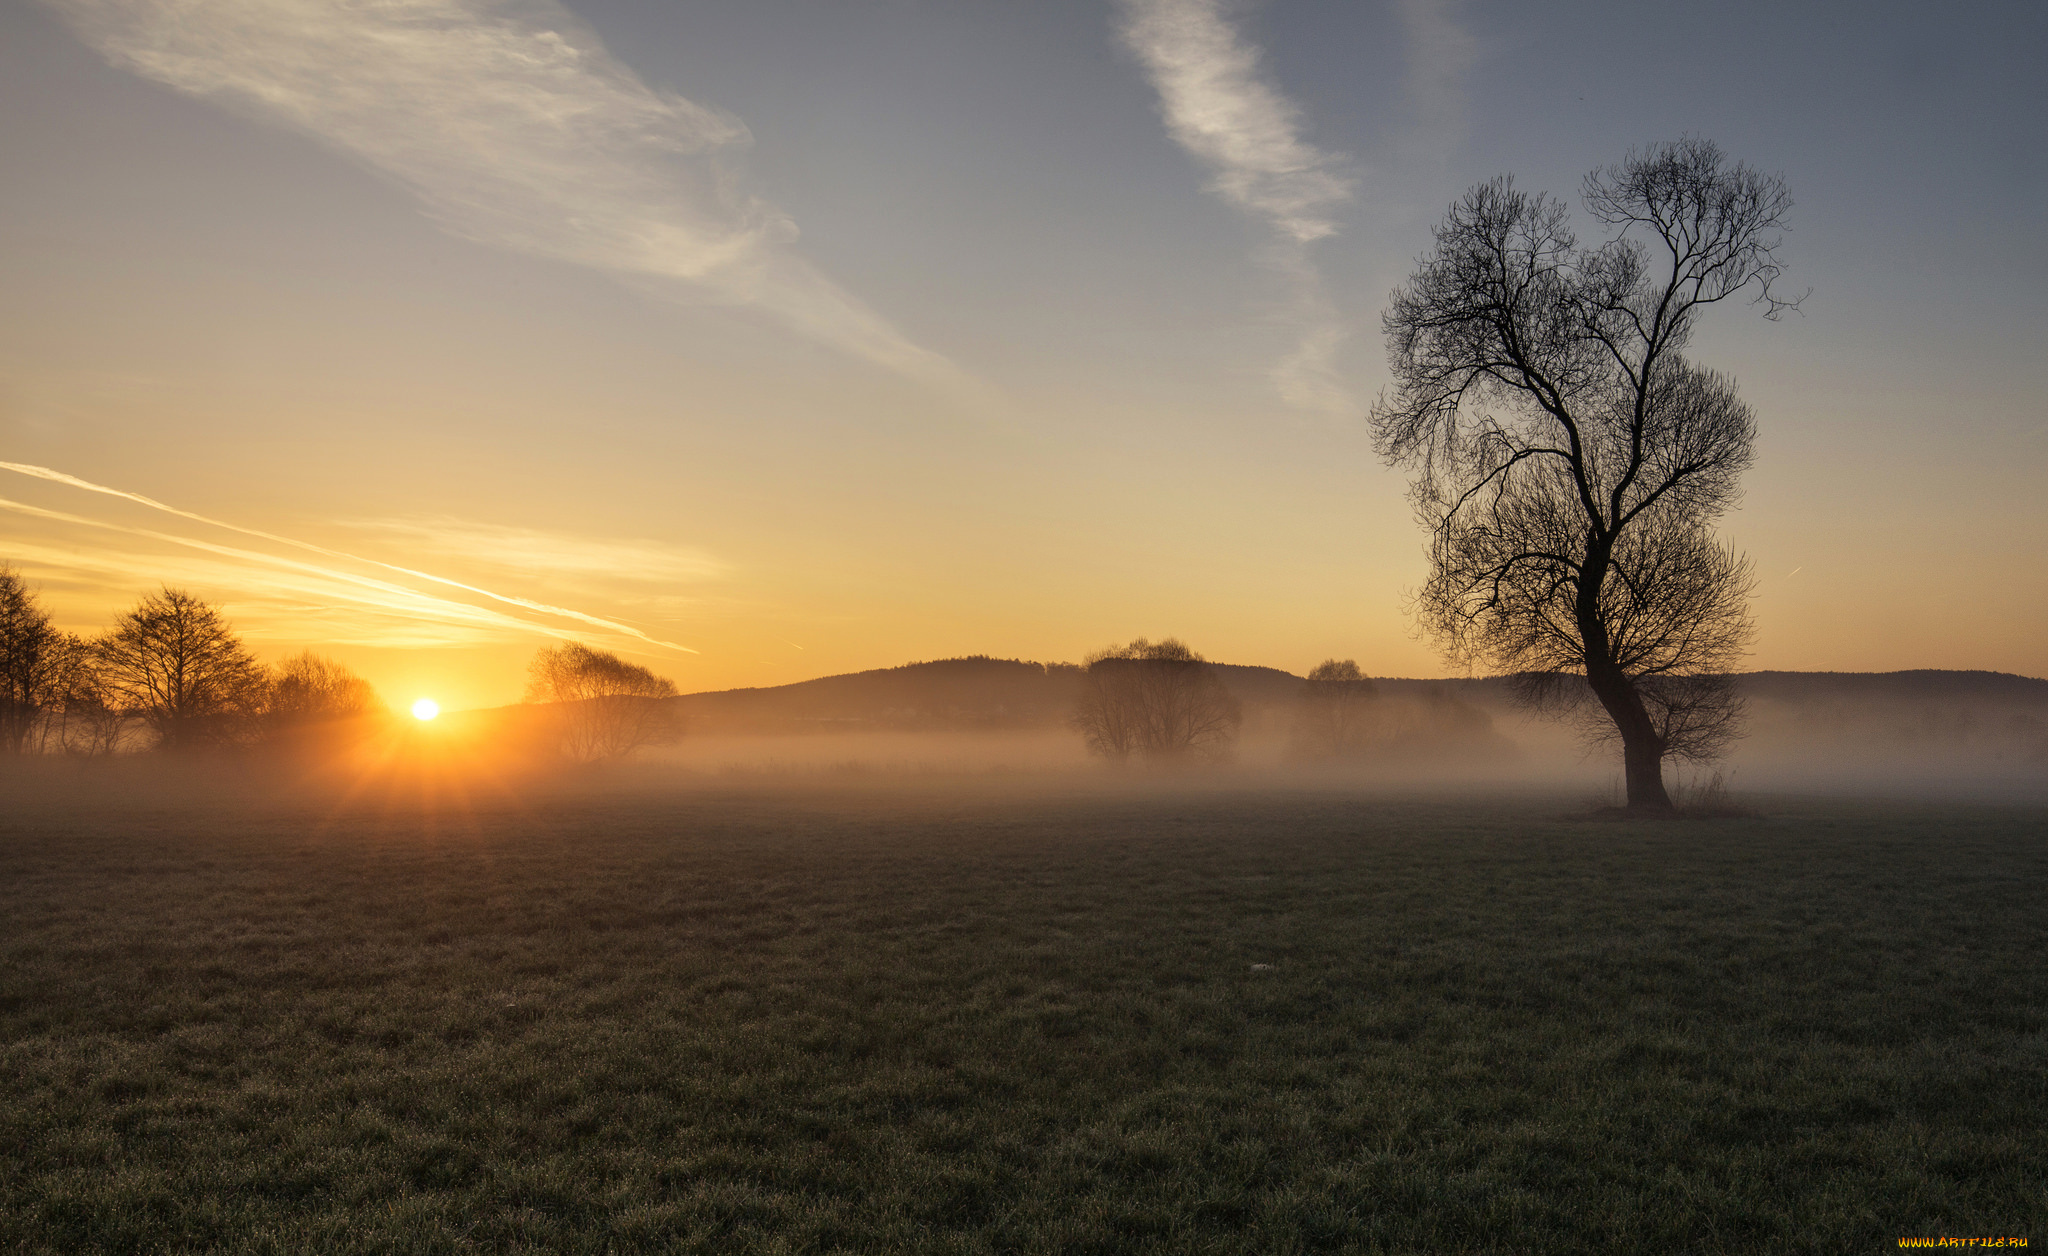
(863,1019)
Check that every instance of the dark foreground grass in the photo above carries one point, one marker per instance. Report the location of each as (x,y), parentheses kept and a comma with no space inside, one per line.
(857,1022)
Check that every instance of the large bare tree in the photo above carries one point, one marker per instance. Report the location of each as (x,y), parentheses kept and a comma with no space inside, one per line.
(1570,461)
(176,662)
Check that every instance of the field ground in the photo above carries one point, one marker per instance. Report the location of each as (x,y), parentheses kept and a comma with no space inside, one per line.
(856,1018)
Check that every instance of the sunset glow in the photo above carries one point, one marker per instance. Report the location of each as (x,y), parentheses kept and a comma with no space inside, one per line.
(425,709)
(756,350)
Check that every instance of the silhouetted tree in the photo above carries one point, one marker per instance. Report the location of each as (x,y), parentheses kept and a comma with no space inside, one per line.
(1335,716)
(175,662)
(1160,702)
(605,707)
(306,691)
(88,718)
(1570,461)
(309,687)
(31,655)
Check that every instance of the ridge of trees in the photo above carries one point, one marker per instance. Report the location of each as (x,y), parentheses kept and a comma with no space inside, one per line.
(171,672)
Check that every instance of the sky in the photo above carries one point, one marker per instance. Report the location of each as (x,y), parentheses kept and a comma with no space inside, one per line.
(760,340)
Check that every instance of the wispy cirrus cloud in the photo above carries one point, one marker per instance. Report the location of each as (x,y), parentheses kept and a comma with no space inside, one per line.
(354,587)
(1441,54)
(517,129)
(257,576)
(512,549)
(1219,108)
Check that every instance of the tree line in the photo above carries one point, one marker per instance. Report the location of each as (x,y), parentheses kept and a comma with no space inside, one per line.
(172,675)
(170,672)
(1161,703)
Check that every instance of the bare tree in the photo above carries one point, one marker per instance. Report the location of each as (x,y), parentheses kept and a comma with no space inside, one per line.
(605,707)
(307,691)
(1570,461)
(1161,702)
(308,687)
(31,655)
(88,718)
(1335,715)
(175,662)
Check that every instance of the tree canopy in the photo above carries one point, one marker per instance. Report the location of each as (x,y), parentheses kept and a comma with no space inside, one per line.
(175,660)
(605,707)
(1158,701)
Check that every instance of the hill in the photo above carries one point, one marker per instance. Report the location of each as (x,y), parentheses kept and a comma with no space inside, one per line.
(1882,723)
(946,695)
(980,692)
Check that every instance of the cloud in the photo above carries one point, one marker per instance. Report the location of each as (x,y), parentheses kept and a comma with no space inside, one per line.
(1441,54)
(1218,108)
(412,602)
(231,567)
(516,128)
(526,550)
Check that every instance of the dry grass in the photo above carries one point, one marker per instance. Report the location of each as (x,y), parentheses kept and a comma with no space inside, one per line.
(863,1020)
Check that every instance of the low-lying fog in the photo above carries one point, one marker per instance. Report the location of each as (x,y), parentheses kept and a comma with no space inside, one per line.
(1967,755)
(1930,734)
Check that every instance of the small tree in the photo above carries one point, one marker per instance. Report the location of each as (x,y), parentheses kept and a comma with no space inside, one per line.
(175,661)
(1335,716)
(31,664)
(1570,461)
(605,707)
(1161,702)
(307,688)
(307,691)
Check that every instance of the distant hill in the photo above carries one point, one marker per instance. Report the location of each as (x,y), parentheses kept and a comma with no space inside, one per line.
(982,693)
(946,695)
(1894,686)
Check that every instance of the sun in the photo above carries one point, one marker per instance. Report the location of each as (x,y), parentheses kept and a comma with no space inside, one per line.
(425,709)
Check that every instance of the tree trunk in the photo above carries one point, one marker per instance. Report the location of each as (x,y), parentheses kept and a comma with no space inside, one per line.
(1644,764)
(1642,749)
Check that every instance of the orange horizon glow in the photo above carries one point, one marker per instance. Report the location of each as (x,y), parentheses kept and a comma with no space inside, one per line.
(425,406)
(425,709)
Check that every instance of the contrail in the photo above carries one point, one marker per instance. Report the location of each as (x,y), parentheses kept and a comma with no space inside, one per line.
(59,477)
(404,600)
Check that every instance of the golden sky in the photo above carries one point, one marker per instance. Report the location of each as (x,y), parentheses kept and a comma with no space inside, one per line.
(766,341)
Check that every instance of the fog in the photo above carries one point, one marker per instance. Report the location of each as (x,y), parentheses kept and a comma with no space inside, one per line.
(1957,736)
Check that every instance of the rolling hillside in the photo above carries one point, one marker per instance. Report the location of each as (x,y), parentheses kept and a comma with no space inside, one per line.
(1912,716)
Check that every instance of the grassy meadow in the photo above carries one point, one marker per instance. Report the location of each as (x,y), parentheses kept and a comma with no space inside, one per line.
(872,1018)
